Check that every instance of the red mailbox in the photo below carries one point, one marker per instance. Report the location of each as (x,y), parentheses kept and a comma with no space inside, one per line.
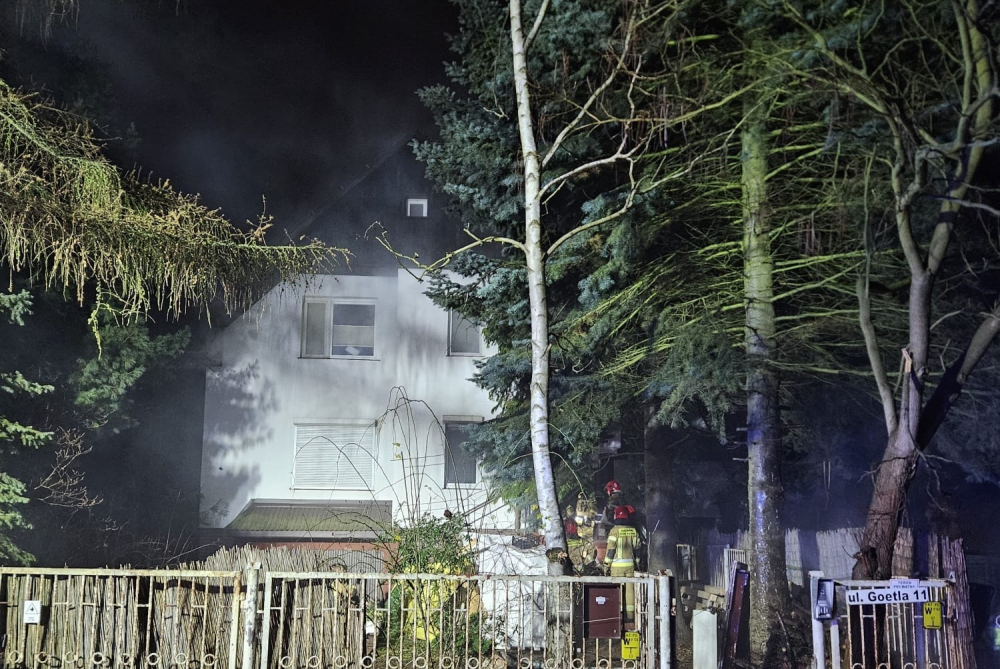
(602,617)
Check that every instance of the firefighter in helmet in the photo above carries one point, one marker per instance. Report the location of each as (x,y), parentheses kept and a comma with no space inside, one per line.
(623,547)
(615,498)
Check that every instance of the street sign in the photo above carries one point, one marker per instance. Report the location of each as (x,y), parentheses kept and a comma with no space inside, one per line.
(32,612)
(630,646)
(932,616)
(890,595)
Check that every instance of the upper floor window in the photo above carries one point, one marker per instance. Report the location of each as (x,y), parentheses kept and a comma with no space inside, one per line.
(459,465)
(416,207)
(332,328)
(463,336)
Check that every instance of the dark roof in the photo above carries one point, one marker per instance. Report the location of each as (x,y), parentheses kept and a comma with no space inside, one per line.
(344,518)
(375,203)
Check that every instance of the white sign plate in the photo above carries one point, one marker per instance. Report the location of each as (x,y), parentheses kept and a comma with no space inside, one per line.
(906,595)
(32,612)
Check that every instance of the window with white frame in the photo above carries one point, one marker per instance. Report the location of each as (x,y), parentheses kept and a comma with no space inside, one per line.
(335,328)
(459,465)
(334,456)
(463,335)
(416,207)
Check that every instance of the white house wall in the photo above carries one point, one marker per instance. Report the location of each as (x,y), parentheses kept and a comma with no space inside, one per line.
(263,387)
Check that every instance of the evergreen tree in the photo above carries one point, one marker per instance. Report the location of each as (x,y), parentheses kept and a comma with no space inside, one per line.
(75,223)
(573,128)
(85,408)
(16,436)
(649,305)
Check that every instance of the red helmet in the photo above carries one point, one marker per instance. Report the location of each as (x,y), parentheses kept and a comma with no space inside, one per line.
(631,510)
(622,513)
(612,486)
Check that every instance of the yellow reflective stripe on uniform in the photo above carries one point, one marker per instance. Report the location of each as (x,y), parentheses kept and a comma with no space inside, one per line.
(627,538)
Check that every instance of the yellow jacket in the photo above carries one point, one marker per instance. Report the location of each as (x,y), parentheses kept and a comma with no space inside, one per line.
(622,543)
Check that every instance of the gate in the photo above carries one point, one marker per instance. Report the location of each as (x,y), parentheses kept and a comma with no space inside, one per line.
(257,619)
(893,624)
(423,621)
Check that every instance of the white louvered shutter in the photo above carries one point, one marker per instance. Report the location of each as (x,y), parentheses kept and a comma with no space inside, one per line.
(334,457)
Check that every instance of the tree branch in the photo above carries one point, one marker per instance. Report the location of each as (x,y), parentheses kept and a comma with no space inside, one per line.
(875,355)
(444,260)
(949,388)
(592,100)
(538,24)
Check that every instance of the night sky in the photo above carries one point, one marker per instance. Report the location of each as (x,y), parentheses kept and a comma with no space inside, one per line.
(237,99)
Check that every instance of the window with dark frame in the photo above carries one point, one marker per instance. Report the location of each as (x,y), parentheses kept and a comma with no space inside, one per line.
(333,328)
(463,335)
(459,465)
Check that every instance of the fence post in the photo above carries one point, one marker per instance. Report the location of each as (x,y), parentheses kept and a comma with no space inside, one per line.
(649,637)
(234,630)
(250,614)
(835,643)
(666,643)
(819,651)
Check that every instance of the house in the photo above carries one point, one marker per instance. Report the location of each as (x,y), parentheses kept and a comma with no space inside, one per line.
(337,405)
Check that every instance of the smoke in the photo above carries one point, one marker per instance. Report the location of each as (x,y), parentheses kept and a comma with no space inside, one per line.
(240,99)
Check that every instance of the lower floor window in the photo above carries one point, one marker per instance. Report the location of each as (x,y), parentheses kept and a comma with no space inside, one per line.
(332,456)
(459,465)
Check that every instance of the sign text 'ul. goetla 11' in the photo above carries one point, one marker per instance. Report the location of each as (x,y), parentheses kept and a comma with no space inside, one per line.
(890,595)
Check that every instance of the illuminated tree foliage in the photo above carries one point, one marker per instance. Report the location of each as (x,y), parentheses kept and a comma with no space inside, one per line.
(72,222)
(15,435)
(76,223)
(708,291)
(928,97)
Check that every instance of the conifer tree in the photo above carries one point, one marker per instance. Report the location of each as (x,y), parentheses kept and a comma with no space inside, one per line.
(75,223)
(650,303)
(15,435)
(552,123)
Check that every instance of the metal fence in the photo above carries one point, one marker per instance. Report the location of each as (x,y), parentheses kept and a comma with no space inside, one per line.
(136,619)
(900,634)
(891,624)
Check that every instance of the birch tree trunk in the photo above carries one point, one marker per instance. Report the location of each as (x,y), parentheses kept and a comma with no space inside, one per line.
(545,484)
(768,582)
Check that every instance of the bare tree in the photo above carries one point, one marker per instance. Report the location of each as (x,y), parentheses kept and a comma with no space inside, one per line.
(934,90)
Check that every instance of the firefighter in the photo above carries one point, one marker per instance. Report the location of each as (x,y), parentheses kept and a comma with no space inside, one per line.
(615,493)
(575,543)
(584,525)
(615,498)
(623,545)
